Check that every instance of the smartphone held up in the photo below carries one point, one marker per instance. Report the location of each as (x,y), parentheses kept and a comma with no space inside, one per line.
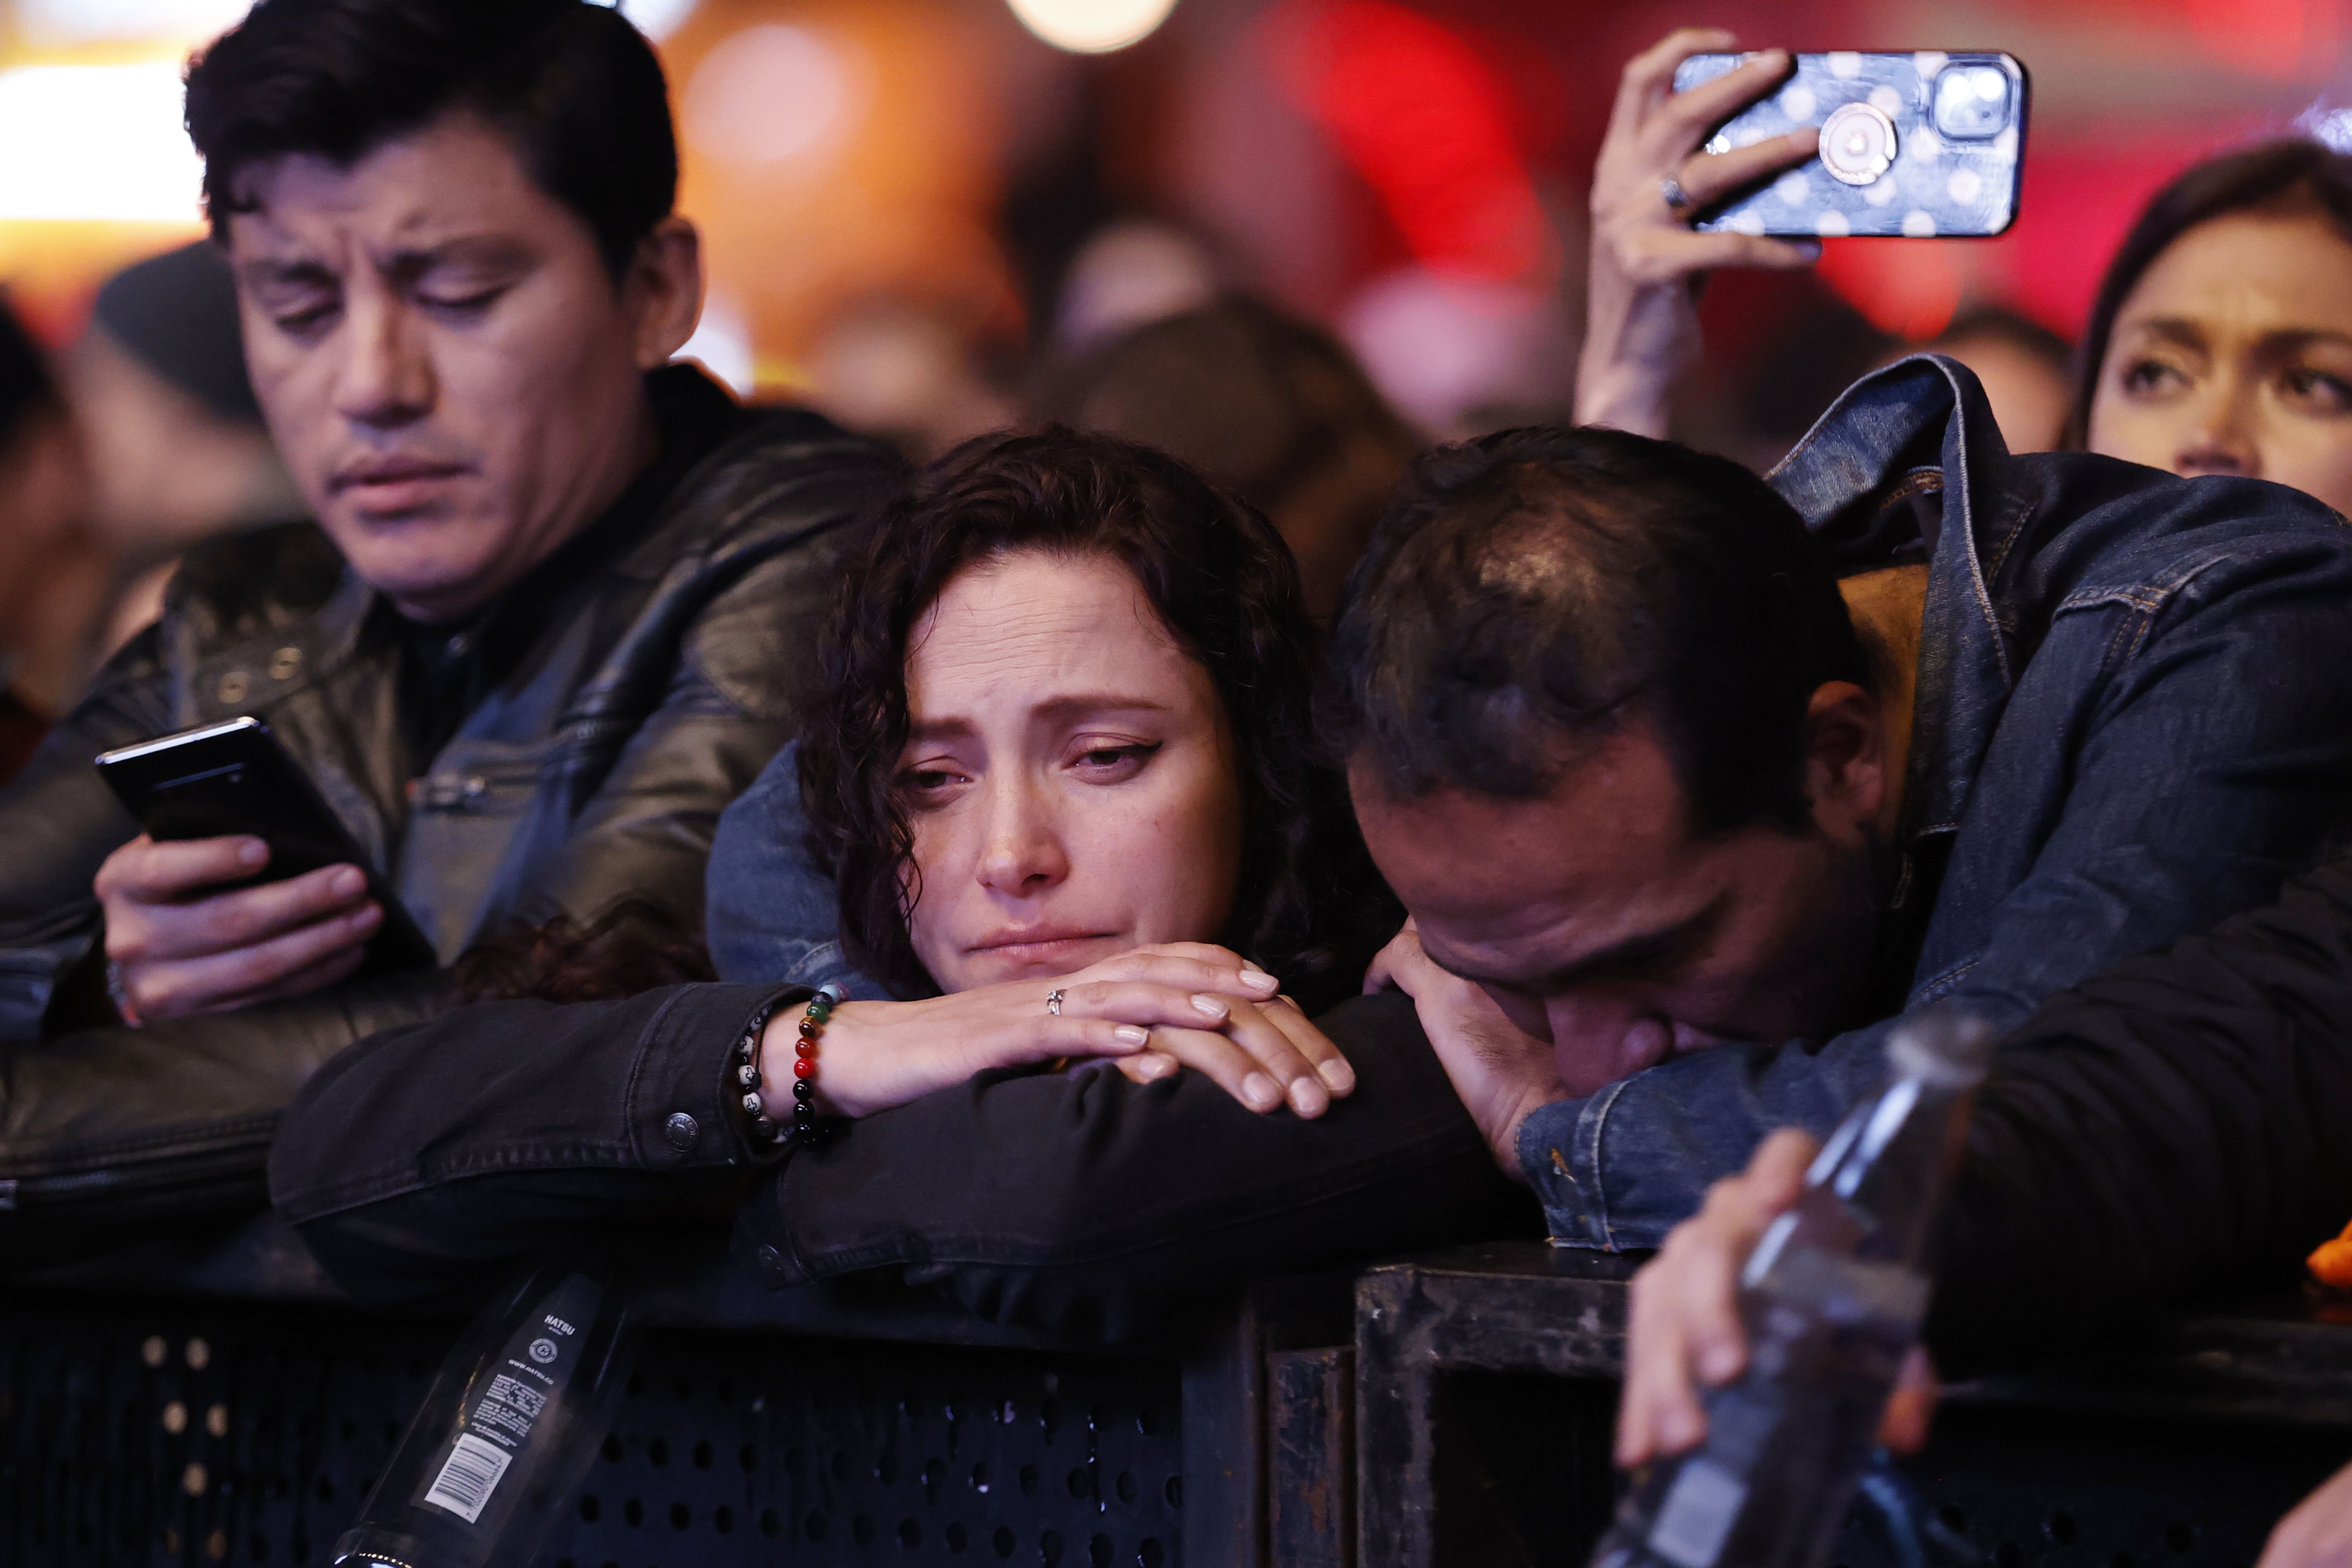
(1922,145)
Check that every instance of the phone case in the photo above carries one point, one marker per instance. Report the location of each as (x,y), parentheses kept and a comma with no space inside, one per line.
(1922,145)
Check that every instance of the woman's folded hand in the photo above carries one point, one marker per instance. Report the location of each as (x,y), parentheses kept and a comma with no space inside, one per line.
(1181,1003)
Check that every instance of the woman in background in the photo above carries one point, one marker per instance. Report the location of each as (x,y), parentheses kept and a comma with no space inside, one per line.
(2220,342)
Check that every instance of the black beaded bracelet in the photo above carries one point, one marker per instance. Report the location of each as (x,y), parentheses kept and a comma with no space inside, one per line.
(804,1131)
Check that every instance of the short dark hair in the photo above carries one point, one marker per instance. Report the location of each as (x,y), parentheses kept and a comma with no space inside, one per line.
(577,88)
(2287,174)
(1538,587)
(1308,906)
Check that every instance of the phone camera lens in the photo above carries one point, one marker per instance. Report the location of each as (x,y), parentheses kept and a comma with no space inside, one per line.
(1972,101)
(1857,144)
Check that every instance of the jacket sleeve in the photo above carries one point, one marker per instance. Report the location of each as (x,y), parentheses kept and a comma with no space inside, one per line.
(2193,1108)
(1085,1204)
(2211,766)
(59,822)
(771,914)
(425,1155)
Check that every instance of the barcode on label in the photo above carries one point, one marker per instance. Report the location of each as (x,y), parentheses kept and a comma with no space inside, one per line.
(468,1479)
(1699,1513)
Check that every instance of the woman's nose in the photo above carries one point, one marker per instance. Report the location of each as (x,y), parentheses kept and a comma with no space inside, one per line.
(2220,438)
(1023,851)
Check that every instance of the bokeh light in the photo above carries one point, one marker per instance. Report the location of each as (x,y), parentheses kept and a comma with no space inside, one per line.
(1092,27)
(112,148)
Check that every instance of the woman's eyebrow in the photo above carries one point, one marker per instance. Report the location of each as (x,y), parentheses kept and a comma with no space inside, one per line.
(948,729)
(1083,704)
(2172,328)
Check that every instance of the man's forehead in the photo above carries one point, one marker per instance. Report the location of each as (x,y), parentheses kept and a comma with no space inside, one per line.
(455,181)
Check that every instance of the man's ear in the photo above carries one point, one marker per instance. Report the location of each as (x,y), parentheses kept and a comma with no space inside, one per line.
(662,291)
(1846,759)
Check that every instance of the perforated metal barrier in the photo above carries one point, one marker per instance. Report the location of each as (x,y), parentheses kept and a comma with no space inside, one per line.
(140,1427)
(216,1433)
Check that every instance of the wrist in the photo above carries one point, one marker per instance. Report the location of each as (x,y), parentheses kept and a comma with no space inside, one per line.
(786,1107)
(1504,1135)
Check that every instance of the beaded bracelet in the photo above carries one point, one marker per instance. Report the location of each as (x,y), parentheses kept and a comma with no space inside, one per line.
(803,1129)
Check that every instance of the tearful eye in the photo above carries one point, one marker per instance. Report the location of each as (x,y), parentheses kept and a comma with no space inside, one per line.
(1116,762)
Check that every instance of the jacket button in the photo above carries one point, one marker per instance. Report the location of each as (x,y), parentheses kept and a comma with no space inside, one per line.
(233,688)
(284,663)
(682,1129)
(770,1261)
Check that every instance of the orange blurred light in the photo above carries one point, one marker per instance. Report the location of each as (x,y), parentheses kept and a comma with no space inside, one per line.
(837,151)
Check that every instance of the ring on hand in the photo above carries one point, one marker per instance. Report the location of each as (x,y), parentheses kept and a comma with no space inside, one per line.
(1677,200)
(1054,1003)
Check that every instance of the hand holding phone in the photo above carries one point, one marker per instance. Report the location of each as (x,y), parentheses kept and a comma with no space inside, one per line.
(1642,320)
(245,888)
(181,947)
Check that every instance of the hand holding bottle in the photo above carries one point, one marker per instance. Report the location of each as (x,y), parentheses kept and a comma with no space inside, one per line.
(1682,1328)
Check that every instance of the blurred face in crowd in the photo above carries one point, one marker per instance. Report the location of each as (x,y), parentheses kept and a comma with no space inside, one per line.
(2234,355)
(451,373)
(1600,922)
(1069,775)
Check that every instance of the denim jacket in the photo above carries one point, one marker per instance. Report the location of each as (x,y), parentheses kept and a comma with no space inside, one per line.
(2132,720)
(770,912)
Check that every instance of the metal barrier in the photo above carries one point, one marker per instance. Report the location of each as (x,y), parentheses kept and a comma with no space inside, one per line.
(1485,1395)
(232,1410)
(199,1422)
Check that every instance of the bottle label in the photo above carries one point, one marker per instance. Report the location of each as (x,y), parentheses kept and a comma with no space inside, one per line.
(1696,1518)
(506,1397)
(468,1476)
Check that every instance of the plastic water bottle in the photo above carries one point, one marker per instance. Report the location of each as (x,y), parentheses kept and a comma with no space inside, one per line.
(507,1429)
(1832,1299)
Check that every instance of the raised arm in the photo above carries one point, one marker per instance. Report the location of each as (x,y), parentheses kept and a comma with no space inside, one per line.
(1648,264)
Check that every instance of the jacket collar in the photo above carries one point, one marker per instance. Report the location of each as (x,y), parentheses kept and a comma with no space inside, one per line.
(1908,465)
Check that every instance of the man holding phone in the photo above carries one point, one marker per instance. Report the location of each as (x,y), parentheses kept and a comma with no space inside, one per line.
(544,626)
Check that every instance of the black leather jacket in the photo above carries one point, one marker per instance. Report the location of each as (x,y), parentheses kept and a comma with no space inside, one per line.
(581,741)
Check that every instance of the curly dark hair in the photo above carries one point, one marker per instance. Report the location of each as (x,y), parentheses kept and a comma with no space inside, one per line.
(1309,907)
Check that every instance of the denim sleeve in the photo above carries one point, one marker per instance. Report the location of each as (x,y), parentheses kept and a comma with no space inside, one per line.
(2206,759)
(769,913)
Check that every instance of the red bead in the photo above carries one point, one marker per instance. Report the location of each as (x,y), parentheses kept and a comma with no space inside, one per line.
(804,1068)
(807,1048)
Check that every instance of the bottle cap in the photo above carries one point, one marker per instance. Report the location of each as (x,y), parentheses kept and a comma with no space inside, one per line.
(1943,1046)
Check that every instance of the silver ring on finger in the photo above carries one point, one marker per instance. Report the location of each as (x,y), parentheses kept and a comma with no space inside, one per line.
(1677,200)
(1054,1003)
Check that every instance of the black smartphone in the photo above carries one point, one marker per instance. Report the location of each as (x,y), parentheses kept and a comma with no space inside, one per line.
(1927,144)
(234,778)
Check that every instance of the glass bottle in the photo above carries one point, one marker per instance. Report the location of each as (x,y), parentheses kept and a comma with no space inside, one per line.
(1831,1299)
(508,1428)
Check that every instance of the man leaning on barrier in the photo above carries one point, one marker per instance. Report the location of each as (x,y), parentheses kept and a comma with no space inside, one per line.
(1657,915)
(541,630)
